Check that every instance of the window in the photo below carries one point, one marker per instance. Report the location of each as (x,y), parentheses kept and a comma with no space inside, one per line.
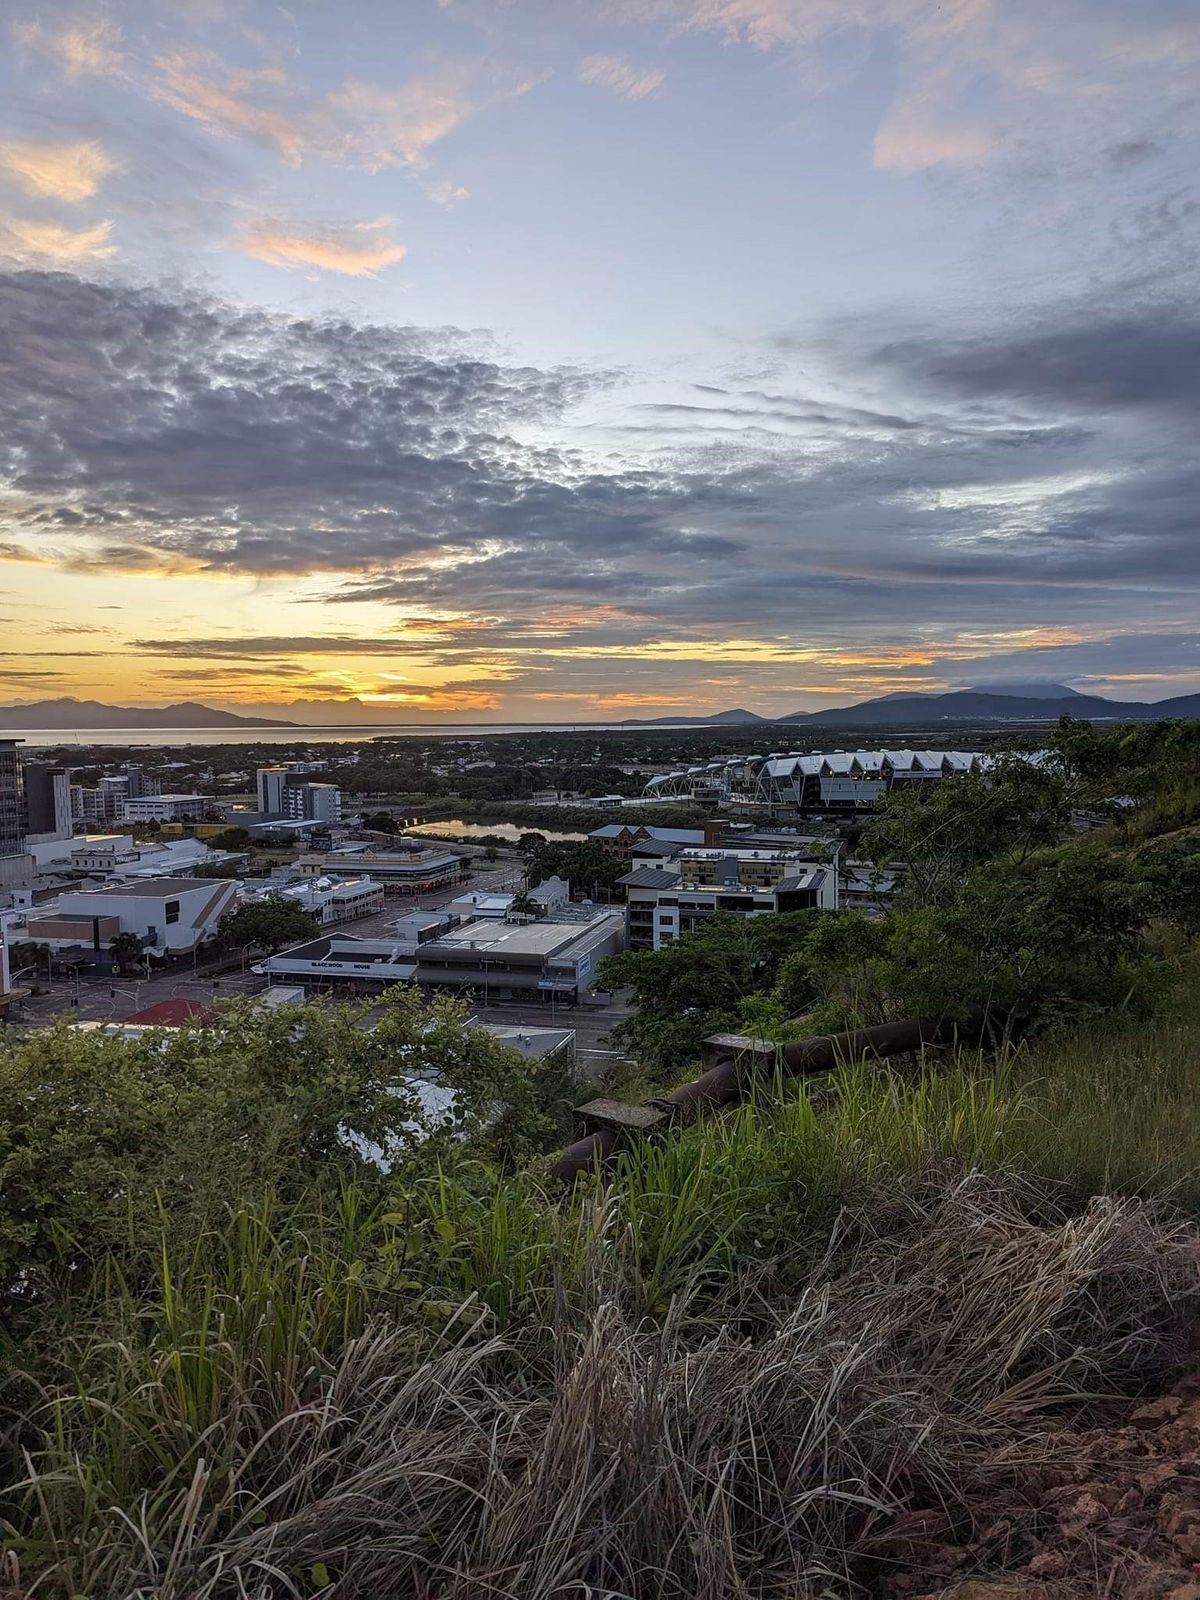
(172,912)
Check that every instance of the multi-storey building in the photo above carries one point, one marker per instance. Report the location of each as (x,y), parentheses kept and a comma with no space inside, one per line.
(312,802)
(286,792)
(660,906)
(165,808)
(271,782)
(12,799)
(734,866)
(47,801)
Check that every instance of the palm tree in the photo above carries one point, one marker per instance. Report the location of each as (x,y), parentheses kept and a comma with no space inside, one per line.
(126,948)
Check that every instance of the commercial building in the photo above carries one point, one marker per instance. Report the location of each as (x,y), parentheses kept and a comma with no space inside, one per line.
(555,959)
(624,840)
(105,855)
(492,960)
(661,905)
(866,888)
(47,801)
(415,871)
(744,866)
(165,808)
(338,960)
(173,916)
(95,854)
(549,894)
(179,858)
(332,900)
(106,802)
(546,1046)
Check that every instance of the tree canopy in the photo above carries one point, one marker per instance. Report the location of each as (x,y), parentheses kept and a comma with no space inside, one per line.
(268,924)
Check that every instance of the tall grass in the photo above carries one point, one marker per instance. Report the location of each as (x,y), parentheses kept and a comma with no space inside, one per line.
(723,1373)
(653,1457)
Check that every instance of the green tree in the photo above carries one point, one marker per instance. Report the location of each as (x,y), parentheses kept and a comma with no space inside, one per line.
(936,833)
(698,984)
(585,866)
(104,1141)
(1171,867)
(268,925)
(233,838)
(1048,938)
(127,950)
(530,843)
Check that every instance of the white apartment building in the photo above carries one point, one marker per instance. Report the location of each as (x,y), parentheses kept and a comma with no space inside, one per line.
(312,802)
(286,792)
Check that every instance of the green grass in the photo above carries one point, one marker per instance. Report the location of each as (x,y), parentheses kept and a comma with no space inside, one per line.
(502,1374)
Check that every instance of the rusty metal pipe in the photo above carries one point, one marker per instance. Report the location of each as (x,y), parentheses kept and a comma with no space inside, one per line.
(587,1155)
(722,1085)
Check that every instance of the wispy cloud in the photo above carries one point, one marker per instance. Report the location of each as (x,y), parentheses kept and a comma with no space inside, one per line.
(621,77)
(70,171)
(447,193)
(35,242)
(358,124)
(910,139)
(363,124)
(356,249)
(230,102)
(89,46)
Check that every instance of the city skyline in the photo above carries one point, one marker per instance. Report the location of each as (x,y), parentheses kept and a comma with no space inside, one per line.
(507,361)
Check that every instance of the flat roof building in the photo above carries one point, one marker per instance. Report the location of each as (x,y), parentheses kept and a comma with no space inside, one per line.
(661,905)
(173,916)
(165,808)
(401,872)
(491,960)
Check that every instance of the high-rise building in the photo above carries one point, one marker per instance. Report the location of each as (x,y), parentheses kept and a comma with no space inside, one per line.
(139,785)
(12,799)
(47,800)
(271,783)
(312,802)
(284,792)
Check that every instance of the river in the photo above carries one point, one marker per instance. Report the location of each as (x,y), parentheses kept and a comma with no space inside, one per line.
(479,830)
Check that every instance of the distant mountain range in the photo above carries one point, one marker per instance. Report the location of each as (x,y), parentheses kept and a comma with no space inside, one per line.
(1016,702)
(68,714)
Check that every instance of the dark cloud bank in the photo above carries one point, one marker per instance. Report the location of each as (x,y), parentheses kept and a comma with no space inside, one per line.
(1030,476)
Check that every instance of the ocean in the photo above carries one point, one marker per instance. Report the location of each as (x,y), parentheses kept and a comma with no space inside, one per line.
(155,738)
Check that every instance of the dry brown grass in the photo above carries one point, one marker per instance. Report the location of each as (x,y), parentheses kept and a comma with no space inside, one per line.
(772,1458)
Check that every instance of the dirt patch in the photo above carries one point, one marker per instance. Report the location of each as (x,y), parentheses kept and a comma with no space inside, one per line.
(1117,1515)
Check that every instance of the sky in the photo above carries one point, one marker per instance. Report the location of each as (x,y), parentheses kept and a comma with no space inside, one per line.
(567,360)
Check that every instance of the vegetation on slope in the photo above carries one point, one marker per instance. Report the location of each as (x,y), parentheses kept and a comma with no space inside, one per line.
(244,1359)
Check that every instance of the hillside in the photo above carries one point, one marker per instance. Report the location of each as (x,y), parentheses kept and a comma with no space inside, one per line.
(68,714)
(718,719)
(1035,702)
(862,1322)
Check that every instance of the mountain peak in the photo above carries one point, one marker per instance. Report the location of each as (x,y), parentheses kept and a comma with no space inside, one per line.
(1026,691)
